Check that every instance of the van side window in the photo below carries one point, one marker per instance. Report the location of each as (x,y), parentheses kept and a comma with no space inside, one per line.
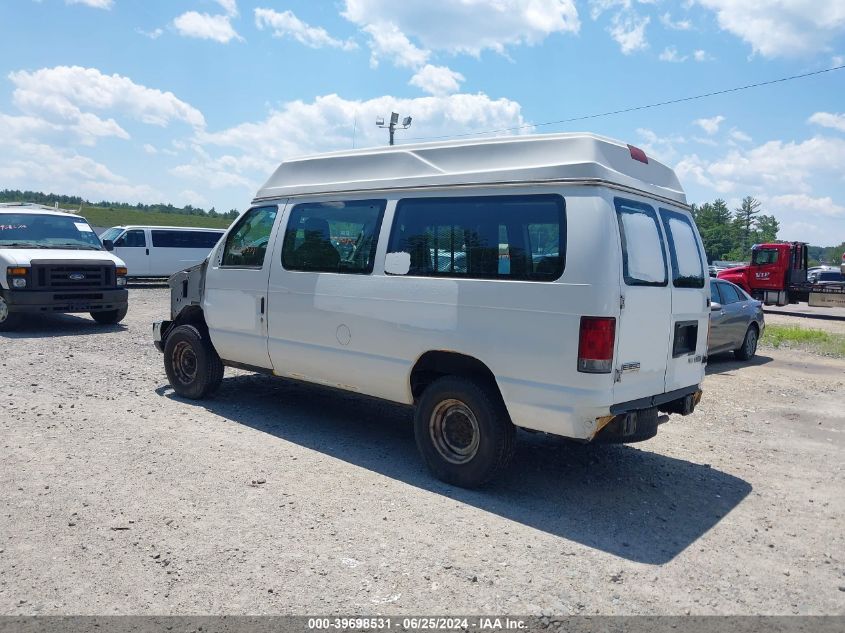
(246,244)
(687,265)
(333,237)
(132,239)
(485,237)
(185,239)
(643,257)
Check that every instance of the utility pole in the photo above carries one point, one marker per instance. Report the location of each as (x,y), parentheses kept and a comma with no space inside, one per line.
(394,124)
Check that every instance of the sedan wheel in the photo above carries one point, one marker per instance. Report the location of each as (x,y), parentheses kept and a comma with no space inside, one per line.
(749,345)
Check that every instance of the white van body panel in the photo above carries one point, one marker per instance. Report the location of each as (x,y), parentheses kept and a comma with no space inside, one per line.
(365,332)
(152,260)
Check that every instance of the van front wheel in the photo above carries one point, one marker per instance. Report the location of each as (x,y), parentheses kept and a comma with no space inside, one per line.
(463,431)
(191,362)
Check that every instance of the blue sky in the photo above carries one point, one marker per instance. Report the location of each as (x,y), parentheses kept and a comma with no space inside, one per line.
(197,101)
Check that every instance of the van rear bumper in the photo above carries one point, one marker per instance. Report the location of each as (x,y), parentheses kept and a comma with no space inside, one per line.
(669,398)
(582,414)
(65,301)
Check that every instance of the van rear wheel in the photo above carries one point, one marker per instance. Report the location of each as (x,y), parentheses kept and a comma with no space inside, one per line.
(463,431)
(192,364)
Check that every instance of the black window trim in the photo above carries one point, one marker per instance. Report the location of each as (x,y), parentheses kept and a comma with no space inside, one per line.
(665,216)
(373,248)
(233,229)
(559,200)
(650,212)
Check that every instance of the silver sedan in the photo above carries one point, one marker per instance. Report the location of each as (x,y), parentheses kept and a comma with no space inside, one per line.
(736,320)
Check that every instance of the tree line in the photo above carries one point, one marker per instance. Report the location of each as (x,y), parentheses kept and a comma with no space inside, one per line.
(76,202)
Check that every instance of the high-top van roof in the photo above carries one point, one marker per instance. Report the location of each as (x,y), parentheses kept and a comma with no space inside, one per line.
(574,157)
(35,209)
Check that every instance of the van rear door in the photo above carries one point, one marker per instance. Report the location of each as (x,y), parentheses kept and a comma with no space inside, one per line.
(690,311)
(643,333)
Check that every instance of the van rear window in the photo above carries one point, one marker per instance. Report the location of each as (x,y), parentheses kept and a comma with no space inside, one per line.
(485,237)
(185,239)
(687,262)
(643,255)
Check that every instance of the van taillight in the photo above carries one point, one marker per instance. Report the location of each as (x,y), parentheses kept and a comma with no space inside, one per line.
(595,345)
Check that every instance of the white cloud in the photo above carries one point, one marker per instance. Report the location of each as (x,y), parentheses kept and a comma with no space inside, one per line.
(207,27)
(65,94)
(824,206)
(287,24)
(388,42)
(776,167)
(670,54)
(711,125)
(700,55)
(229,6)
(251,151)
(42,167)
(740,136)
(194,198)
(628,30)
(776,28)
(827,119)
(675,25)
(467,26)
(437,80)
(150,149)
(153,35)
(95,4)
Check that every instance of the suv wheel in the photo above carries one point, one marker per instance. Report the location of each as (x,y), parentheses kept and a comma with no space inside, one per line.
(191,362)
(110,317)
(8,320)
(463,431)
(749,345)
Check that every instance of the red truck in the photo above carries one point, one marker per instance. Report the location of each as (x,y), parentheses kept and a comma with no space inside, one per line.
(777,275)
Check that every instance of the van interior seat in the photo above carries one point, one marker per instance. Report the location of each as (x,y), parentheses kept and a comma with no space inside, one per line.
(316,251)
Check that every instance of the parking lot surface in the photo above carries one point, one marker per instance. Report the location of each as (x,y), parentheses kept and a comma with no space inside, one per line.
(274,497)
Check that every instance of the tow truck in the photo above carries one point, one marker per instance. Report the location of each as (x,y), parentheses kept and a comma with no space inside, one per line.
(777,275)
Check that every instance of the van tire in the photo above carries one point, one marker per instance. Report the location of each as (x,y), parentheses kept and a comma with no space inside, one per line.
(481,429)
(193,367)
(110,317)
(749,344)
(8,320)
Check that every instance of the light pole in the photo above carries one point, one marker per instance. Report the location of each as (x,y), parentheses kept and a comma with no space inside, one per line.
(394,121)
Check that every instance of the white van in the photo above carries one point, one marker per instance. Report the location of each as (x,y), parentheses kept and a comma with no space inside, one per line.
(160,251)
(50,262)
(554,283)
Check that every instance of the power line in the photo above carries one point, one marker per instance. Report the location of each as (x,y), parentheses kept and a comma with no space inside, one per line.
(634,108)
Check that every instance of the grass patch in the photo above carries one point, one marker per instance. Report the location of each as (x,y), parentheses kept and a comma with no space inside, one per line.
(106,217)
(794,337)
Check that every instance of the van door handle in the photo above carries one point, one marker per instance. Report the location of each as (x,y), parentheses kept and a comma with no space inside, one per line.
(262,305)
(148,251)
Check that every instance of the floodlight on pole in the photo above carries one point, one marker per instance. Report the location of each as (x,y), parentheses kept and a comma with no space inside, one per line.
(394,124)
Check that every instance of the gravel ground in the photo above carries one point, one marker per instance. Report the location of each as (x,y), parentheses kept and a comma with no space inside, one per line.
(272,497)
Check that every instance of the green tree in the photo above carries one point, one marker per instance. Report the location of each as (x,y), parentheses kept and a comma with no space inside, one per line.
(745,219)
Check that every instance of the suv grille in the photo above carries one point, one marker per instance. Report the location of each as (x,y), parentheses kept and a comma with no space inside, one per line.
(72,276)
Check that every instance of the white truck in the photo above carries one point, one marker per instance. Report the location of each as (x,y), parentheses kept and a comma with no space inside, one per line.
(554,283)
(51,261)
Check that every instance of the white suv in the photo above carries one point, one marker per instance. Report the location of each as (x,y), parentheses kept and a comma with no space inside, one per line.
(52,261)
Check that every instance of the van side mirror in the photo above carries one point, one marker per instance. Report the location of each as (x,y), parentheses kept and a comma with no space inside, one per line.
(108,245)
(715,306)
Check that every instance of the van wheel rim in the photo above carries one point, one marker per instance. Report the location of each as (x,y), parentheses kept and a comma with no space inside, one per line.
(454,431)
(4,310)
(184,361)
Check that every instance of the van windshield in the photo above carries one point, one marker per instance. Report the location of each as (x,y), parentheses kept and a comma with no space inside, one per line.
(24,230)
